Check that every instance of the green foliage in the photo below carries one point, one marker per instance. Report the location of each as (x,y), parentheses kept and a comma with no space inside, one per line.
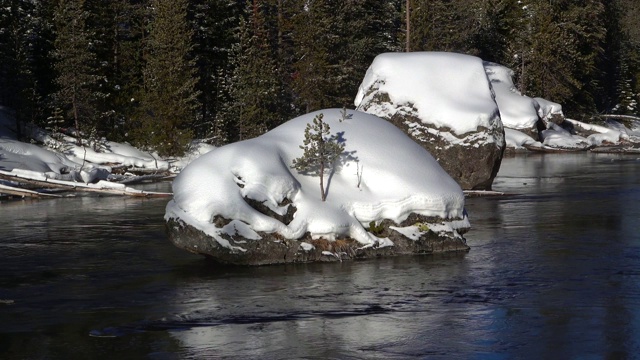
(376,230)
(53,125)
(557,52)
(119,27)
(335,42)
(213,23)
(320,153)
(256,90)
(26,46)
(169,100)
(422,227)
(76,66)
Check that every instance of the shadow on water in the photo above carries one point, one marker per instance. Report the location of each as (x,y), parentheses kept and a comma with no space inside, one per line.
(552,273)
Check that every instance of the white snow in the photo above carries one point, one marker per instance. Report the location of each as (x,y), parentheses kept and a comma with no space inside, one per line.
(62,159)
(306,246)
(517,139)
(630,131)
(547,109)
(516,111)
(602,134)
(447,90)
(557,137)
(382,174)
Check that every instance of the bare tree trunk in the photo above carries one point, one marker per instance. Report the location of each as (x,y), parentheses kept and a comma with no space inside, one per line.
(523,86)
(75,118)
(408,24)
(280,25)
(323,195)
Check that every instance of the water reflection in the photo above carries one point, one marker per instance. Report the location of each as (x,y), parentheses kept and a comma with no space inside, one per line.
(552,273)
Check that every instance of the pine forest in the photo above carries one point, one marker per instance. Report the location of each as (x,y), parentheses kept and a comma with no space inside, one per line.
(158,73)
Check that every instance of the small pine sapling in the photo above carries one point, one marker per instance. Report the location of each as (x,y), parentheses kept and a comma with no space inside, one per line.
(320,153)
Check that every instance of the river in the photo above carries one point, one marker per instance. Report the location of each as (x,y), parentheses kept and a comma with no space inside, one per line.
(553,272)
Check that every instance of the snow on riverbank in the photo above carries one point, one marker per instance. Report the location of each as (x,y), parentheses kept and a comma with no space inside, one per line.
(62,159)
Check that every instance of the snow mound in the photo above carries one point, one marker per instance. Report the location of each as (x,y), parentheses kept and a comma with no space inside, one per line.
(446,90)
(516,111)
(548,109)
(557,137)
(517,140)
(600,134)
(18,155)
(382,174)
(630,131)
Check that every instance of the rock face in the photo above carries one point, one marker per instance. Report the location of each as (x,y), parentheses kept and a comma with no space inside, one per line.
(470,159)
(444,102)
(273,249)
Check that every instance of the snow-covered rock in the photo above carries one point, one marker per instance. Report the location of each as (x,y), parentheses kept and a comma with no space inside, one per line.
(517,112)
(518,140)
(243,203)
(540,124)
(445,102)
(629,127)
(558,137)
(549,110)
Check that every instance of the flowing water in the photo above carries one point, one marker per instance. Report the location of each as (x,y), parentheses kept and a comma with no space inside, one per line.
(553,272)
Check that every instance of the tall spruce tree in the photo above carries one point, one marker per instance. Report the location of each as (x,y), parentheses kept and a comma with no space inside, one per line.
(76,68)
(23,37)
(558,49)
(213,23)
(256,86)
(316,40)
(117,44)
(496,21)
(170,99)
(624,55)
(443,25)
(335,42)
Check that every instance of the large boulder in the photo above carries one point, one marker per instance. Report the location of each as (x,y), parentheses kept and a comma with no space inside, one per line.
(444,101)
(244,204)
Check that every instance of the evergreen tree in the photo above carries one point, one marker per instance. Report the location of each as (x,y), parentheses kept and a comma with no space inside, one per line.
(256,86)
(443,25)
(213,23)
(316,41)
(335,43)
(75,66)
(558,49)
(25,67)
(367,28)
(169,101)
(320,153)
(496,24)
(623,53)
(117,44)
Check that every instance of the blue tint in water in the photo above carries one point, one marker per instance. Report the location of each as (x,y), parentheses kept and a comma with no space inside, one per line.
(552,273)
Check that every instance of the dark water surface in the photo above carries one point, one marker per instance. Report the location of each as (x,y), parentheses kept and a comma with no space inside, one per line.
(553,273)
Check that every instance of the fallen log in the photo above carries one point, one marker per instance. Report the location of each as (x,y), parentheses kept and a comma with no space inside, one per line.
(103,187)
(15,191)
(547,149)
(617,116)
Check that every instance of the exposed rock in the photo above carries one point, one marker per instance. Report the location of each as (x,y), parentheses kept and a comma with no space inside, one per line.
(275,249)
(470,160)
